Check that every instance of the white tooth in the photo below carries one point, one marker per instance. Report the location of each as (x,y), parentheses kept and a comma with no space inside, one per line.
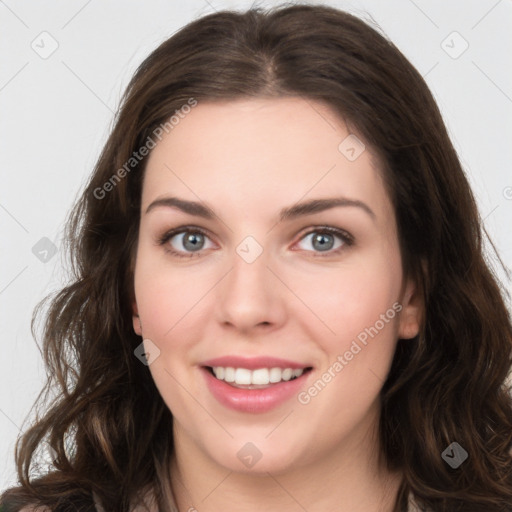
(242,376)
(229,374)
(275,375)
(260,376)
(287,374)
(219,372)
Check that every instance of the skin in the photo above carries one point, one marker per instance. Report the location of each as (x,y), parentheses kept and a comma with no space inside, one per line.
(246,160)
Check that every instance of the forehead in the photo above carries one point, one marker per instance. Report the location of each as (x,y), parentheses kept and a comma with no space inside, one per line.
(278,149)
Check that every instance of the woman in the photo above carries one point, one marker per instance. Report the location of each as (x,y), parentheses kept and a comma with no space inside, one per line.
(281,299)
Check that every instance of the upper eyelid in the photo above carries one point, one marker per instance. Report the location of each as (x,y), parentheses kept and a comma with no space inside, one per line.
(171,233)
(346,238)
(344,235)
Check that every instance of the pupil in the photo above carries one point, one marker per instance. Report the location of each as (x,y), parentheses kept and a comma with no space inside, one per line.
(193,241)
(323,245)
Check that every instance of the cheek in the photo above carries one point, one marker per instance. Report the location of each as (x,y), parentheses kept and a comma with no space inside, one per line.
(167,297)
(361,307)
(169,302)
(358,308)
(343,301)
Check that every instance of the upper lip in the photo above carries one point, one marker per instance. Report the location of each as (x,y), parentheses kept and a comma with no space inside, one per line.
(253,363)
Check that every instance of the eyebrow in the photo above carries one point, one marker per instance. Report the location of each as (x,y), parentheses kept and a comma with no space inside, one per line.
(297,210)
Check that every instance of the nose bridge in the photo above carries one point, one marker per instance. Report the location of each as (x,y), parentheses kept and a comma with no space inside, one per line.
(248,295)
(249,274)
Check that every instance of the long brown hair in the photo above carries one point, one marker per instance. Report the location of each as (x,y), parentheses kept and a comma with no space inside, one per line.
(109,427)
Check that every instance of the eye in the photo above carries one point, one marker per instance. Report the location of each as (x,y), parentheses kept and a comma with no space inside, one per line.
(185,242)
(190,241)
(326,240)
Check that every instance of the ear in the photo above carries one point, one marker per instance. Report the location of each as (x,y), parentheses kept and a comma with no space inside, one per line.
(412,311)
(137,326)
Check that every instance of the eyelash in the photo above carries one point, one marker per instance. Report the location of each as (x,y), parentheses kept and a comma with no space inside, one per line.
(345,237)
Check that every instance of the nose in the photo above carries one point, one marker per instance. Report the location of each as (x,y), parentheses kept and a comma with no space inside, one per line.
(250,297)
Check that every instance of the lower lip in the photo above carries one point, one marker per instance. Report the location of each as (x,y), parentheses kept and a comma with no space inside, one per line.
(253,400)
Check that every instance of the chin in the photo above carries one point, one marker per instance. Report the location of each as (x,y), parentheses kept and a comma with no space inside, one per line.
(258,457)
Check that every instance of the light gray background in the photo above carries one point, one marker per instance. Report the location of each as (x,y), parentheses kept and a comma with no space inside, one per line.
(56,113)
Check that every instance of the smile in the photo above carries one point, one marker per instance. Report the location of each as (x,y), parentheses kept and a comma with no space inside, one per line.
(254,385)
(255,379)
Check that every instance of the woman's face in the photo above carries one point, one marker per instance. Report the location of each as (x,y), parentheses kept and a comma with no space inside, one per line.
(284,262)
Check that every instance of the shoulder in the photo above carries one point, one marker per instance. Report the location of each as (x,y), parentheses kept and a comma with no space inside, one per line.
(413,506)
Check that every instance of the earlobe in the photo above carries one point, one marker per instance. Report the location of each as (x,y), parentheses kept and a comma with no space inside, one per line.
(412,312)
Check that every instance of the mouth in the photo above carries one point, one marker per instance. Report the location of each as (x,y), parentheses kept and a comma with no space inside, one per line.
(259,378)
(254,384)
